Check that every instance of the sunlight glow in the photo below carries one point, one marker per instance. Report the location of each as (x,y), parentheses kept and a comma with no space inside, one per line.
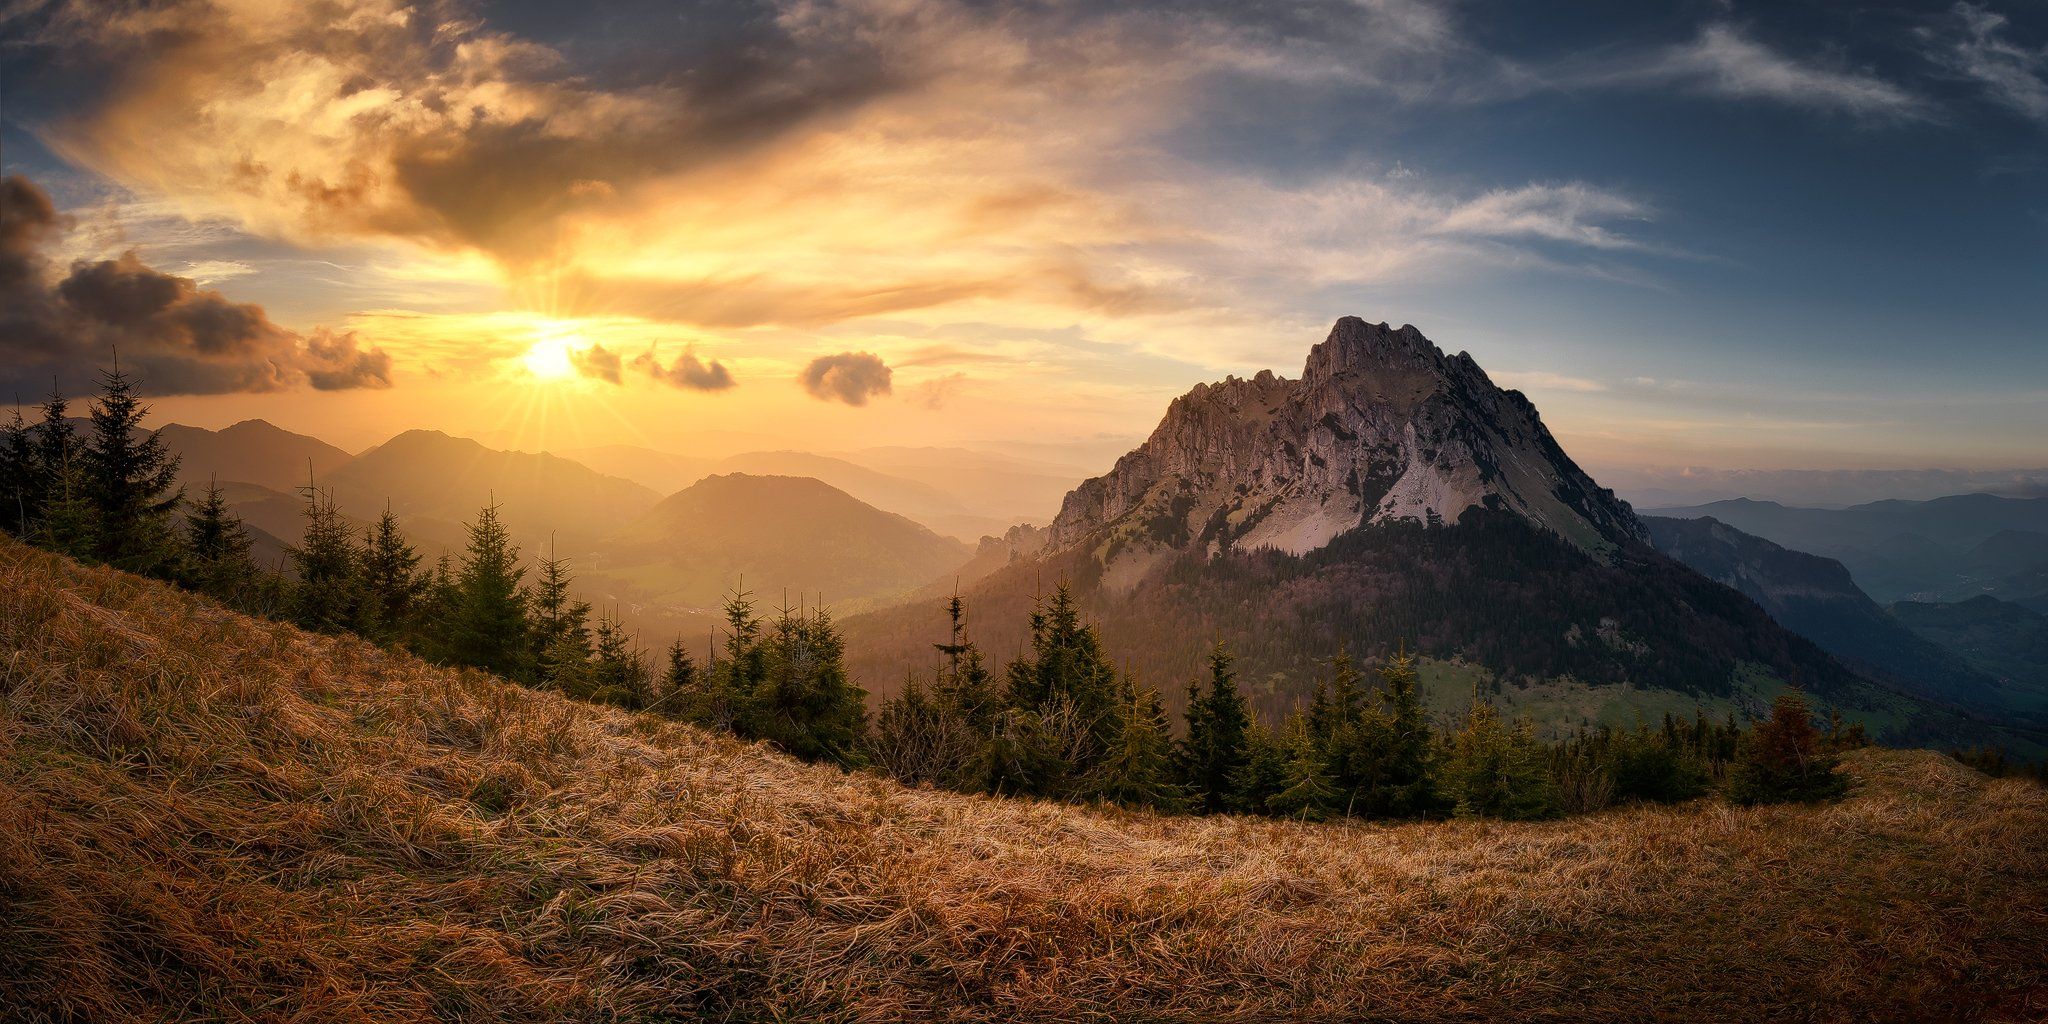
(548,360)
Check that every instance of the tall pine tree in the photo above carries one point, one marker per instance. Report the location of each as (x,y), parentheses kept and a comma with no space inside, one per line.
(1138,771)
(217,548)
(1217,744)
(327,596)
(132,481)
(392,581)
(487,623)
(803,701)
(21,482)
(561,627)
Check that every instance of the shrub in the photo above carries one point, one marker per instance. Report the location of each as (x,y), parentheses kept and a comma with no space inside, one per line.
(1780,760)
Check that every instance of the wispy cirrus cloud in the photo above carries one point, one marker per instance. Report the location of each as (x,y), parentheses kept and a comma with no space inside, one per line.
(1723,61)
(1973,42)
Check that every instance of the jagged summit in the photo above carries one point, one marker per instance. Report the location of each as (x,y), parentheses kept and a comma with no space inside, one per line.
(1355,346)
(1381,426)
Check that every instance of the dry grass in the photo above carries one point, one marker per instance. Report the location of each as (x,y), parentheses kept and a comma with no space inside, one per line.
(203,817)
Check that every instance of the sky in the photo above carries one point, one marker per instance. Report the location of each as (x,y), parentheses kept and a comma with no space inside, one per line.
(1723,235)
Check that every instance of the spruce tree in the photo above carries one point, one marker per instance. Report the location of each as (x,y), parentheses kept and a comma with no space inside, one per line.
(69,523)
(1497,770)
(1262,776)
(1781,759)
(561,624)
(1400,781)
(55,473)
(488,626)
(723,687)
(1216,746)
(618,674)
(803,701)
(56,440)
(132,480)
(678,679)
(965,685)
(1066,661)
(393,583)
(217,549)
(1138,771)
(327,596)
(21,483)
(1307,791)
(1062,713)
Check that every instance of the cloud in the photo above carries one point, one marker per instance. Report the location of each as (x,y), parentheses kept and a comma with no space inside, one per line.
(1972,43)
(1723,62)
(1545,380)
(687,372)
(850,377)
(597,362)
(334,362)
(804,163)
(939,392)
(1560,213)
(177,337)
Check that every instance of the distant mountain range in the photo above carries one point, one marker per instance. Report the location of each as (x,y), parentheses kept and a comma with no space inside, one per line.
(1673,487)
(1393,495)
(1816,598)
(1946,549)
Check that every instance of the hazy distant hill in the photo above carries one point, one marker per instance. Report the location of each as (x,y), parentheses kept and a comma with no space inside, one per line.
(2002,638)
(957,492)
(1815,597)
(662,472)
(1945,549)
(1674,487)
(252,451)
(436,482)
(779,533)
(1017,489)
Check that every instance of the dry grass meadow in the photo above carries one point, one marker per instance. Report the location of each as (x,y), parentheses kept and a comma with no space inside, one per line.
(206,817)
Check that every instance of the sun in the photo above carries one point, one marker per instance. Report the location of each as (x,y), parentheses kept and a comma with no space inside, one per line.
(548,360)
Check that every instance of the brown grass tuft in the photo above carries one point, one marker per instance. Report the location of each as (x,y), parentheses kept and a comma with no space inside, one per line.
(205,817)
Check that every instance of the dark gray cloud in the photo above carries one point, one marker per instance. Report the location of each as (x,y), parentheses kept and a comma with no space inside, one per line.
(850,377)
(687,372)
(177,337)
(597,362)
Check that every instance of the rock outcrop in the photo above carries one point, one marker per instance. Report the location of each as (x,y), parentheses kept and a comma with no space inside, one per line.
(1381,425)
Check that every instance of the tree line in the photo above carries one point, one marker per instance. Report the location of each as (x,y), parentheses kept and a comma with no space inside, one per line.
(1058,722)
(1061,723)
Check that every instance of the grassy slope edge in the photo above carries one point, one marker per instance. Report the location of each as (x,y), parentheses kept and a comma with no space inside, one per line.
(204,816)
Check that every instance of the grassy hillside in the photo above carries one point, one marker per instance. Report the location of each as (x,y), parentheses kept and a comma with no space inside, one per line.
(207,817)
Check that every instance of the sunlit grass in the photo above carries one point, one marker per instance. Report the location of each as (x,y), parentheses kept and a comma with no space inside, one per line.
(204,815)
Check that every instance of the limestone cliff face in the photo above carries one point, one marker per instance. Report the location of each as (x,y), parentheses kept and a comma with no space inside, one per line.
(1380,426)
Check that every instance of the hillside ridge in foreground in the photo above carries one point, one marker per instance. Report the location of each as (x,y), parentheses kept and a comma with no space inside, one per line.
(203,816)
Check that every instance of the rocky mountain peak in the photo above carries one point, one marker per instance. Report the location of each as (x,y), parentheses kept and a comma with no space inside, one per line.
(1355,346)
(1381,426)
